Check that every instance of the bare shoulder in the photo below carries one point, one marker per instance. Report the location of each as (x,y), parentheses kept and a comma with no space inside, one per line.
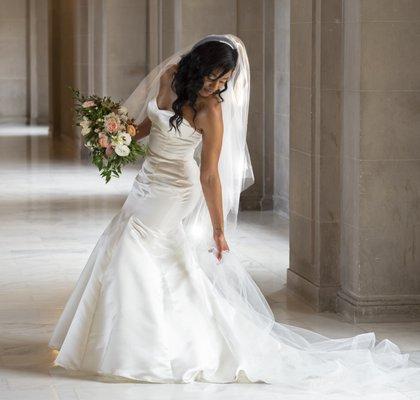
(209,117)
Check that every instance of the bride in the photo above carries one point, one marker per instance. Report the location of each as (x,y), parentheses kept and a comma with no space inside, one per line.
(162,298)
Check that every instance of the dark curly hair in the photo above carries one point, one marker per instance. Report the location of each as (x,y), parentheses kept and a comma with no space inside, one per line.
(201,61)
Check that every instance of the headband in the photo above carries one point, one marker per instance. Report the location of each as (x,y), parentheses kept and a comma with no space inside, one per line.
(215,38)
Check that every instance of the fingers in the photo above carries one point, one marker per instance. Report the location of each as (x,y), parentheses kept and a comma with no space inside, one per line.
(220,252)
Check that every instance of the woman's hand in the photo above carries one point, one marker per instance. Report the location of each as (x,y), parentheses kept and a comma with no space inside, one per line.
(221,244)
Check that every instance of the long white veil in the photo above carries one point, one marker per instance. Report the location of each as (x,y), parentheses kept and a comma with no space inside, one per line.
(300,360)
(235,168)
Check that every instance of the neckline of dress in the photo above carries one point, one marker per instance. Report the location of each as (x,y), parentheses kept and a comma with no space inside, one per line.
(184,121)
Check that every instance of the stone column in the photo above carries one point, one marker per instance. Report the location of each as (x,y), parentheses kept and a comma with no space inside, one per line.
(315,126)
(63,18)
(380,244)
(255,21)
(14,64)
(281,102)
(38,65)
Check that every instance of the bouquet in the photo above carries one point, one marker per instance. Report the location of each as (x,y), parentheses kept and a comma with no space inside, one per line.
(108,133)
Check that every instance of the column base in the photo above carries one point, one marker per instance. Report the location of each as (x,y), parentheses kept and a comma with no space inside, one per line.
(395,308)
(321,298)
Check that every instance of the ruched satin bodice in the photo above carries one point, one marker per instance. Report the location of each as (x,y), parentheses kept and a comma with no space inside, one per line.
(169,174)
(170,144)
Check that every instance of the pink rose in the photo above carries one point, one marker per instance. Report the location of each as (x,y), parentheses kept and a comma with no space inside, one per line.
(88,103)
(111,125)
(103,140)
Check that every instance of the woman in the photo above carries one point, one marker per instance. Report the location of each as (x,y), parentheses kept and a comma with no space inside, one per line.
(153,304)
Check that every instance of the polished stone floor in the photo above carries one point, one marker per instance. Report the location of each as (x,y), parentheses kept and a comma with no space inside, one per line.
(52,211)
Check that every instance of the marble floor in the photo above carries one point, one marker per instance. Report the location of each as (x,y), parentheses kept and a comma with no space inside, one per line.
(52,211)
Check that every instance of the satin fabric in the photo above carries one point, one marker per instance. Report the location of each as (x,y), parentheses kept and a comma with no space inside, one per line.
(152,304)
(139,308)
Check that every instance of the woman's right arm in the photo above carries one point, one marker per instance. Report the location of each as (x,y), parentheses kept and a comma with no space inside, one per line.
(143,129)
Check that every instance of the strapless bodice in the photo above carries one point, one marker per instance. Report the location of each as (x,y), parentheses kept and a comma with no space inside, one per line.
(170,144)
(169,174)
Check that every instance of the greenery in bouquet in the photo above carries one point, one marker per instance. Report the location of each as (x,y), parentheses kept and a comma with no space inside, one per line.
(107,132)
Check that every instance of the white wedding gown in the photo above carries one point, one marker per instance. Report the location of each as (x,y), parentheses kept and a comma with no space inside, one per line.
(151,305)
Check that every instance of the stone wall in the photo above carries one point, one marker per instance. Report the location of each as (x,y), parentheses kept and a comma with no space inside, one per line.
(315,132)
(380,246)
(354,151)
(99,47)
(24,63)
(281,62)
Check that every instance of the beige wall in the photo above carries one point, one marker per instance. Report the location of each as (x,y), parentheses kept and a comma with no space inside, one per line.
(205,17)
(13,67)
(124,45)
(24,61)
(99,47)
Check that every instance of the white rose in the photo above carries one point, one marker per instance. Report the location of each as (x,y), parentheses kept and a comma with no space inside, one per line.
(123,110)
(117,140)
(126,138)
(122,150)
(85,131)
(85,123)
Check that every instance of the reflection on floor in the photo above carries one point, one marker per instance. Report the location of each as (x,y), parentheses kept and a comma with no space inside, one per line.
(52,212)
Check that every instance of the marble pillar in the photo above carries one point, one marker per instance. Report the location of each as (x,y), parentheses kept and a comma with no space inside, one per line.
(380,241)
(281,103)
(355,158)
(63,41)
(315,137)
(24,66)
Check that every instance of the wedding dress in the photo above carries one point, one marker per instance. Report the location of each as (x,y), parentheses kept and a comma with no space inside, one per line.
(153,304)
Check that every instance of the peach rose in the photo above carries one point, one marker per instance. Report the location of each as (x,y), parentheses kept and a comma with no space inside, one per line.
(131,130)
(111,125)
(112,122)
(103,140)
(87,104)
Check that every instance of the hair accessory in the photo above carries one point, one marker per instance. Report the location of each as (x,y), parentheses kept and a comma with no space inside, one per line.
(215,38)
